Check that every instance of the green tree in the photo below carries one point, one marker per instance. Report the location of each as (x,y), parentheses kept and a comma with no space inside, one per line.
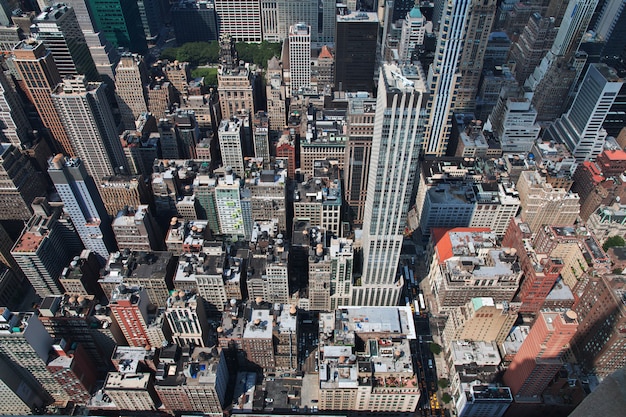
(209,74)
(443,383)
(446,398)
(613,241)
(434,348)
(169,54)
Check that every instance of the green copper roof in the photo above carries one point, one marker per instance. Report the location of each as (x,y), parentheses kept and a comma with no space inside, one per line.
(415,13)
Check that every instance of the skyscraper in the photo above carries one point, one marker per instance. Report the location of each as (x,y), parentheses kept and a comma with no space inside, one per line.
(581,127)
(131,78)
(300,56)
(40,76)
(46,246)
(240,19)
(539,357)
(120,22)
(454,75)
(86,115)
(57,27)
(82,202)
(14,125)
(396,144)
(20,184)
(355,42)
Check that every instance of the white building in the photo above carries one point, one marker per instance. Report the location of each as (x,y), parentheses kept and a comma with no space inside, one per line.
(300,56)
(229,209)
(241,19)
(230,134)
(414,28)
(396,144)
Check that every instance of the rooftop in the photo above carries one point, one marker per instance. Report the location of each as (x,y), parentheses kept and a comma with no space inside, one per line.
(121,381)
(468,352)
(260,325)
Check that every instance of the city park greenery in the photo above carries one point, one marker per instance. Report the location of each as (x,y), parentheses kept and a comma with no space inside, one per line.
(202,55)
(613,242)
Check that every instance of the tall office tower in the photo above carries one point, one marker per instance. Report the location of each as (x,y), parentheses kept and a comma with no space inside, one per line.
(360,115)
(135,229)
(240,19)
(544,204)
(355,41)
(104,55)
(46,246)
(57,27)
(275,93)
(269,20)
(20,184)
(327,32)
(398,130)
(82,202)
(87,117)
(401,8)
(599,342)
(9,37)
(230,137)
(414,27)
(610,27)
(236,82)
(300,56)
(186,316)
(552,80)
(120,23)
(18,398)
(540,356)
(291,12)
(131,78)
(532,45)
(324,69)
(151,21)
(194,21)
(454,75)
(15,126)
(513,122)
(260,136)
(25,346)
(580,129)
(36,67)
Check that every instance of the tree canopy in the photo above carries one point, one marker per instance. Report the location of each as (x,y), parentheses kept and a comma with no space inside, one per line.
(202,53)
(612,242)
(435,348)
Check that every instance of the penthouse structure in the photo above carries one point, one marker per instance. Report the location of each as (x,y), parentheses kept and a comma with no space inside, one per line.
(381,377)
(468,264)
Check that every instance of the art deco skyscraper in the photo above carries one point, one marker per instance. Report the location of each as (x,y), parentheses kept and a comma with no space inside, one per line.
(300,56)
(83,203)
(398,130)
(455,73)
(86,115)
(40,76)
